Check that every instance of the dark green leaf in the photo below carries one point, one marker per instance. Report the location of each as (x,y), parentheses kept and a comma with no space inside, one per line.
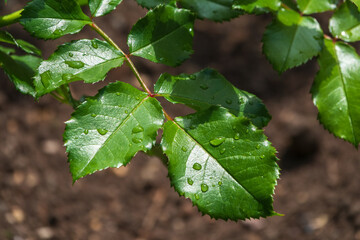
(102,7)
(316,6)
(50,19)
(336,91)
(217,10)
(21,70)
(208,88)
(153,3)
(7,50)
(257,6)
(164,35)
(345,23)
(27,47)
(291,4)
(223,163)
(86,60)
(291,40)
(110,128)
(357,3)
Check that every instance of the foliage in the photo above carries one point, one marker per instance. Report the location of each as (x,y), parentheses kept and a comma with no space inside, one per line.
(219,156)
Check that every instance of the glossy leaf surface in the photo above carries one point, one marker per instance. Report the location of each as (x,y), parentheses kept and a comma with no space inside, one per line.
(345,23)
(257,6)
(222,163)
(109,129)
(291,40)
(217,10)
(153,3)
(336,91)
(50,19)
(82,60)
(316,6)
(102,7)
(209,88)
(164,35)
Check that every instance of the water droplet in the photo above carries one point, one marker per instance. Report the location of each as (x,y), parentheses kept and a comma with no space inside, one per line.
(102,131)
(184,149)
(247,130)
(161,59)
(94,44)
(93,115)
(237,136)
(86,131)
(223,150)
(204,86)
(192,77)
(190,181)
(67,76)
(126,111)
(258,146)
(217,141)
(71,54)
(204,187)
(137,98)
(137,140)
(75,64)
(228,101)
(197,197)
(137,129)
(45,78)
(197,166)
(58,32)
(220,183)
(118,94)
(262,156)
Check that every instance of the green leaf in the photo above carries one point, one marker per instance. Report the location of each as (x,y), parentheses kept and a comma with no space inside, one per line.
(209,88)
(217,10)
(102,7)
(316,6)
(336,91)
(222,163)
(357,3)
(291,40)
(291,4)
(6,50)
(27,47)
(50,19)
(164,36)
(153,3)
(86,60)
(345,23)
(257,6)
(109,129)
(21,70)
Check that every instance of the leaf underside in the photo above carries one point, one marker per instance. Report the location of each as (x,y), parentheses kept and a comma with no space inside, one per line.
(316,6)
(222,163)
(291,40)
(209,88)
(109,129)
(336,91)
(102,7)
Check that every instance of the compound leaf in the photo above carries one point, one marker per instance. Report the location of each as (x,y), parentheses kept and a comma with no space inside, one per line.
(21,70)
(164,35)
(345,23)
(102,7)
(50,19)
(316,6)
(291,40)
(223,163)
(217,10)
(87,60)
(109,129)
(209,88)
(153,3)
(336,91)
(257,6)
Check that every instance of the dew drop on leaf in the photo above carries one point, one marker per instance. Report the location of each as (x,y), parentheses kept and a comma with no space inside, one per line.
(262,156)
(71,54)
(237,136)
(217,141)
(137,129)
(197,197)
(94,44)
(126,111)
(223,150)
(184,149)
(67,76)
(86,131)
(137,140)
(197,166)
(204,86)
(228,101)
(93,115)
(204,187)
(45,78)
(102,131)
(190,181)
(258,146)
(118,94)
(220,183)
(75,64)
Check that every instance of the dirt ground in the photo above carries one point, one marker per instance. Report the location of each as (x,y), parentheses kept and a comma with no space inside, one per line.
(318,191)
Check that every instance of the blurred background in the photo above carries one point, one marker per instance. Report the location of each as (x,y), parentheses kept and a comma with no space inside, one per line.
(318,192)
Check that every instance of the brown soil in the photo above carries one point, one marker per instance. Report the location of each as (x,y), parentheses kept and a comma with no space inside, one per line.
(318,191)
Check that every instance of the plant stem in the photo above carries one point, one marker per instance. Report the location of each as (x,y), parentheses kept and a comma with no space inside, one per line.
(128,60)
(10,18)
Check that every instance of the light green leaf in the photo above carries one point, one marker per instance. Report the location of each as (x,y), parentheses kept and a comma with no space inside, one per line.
(82,60)
(223,163)
(164,36)
(109,129)
(153,3)
(209,88)
(6,37)
(345,23)
(257,6)
(217,10)
(336,91)
(316,6)
(291,40)
(102,7)
(50,19)
(357,3)
(21,70)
